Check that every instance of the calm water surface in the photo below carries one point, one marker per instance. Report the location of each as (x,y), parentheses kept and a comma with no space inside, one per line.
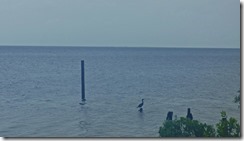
(40,89)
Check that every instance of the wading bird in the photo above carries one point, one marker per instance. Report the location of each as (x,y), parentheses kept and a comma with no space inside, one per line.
(140,105)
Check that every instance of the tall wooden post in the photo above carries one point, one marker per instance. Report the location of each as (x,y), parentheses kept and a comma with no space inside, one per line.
(82,81)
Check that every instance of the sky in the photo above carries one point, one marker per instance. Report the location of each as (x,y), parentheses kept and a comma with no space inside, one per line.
(123,23)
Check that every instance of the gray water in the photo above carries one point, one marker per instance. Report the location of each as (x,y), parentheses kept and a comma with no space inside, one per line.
(40,89)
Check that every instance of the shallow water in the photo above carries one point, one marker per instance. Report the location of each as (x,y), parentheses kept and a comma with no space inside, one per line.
(40,89)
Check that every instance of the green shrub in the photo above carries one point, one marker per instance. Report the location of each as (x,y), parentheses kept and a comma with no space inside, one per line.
(237,99)
(227,128)
(193,128)
(186,128)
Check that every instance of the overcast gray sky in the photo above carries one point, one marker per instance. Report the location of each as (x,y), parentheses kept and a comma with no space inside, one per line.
(147,23)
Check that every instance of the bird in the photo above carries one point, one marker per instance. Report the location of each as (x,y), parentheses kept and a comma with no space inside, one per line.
(141,104)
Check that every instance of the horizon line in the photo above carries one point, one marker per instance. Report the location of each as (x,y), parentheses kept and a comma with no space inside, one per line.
(95,46)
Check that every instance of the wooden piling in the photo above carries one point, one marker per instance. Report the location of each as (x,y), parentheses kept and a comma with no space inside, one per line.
(169,115)
(82,81)
(189,114)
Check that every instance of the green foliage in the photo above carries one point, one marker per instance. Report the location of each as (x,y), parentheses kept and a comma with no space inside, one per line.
(227,128)
(237,99)
(186,128)
(193,128)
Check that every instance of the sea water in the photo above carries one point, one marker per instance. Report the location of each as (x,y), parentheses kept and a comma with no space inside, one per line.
(41,89)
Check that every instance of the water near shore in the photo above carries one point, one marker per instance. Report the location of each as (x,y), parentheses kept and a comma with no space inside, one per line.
(40,89)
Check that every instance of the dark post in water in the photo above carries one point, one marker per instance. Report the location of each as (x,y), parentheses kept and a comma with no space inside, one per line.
(82,81)
(169,115)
